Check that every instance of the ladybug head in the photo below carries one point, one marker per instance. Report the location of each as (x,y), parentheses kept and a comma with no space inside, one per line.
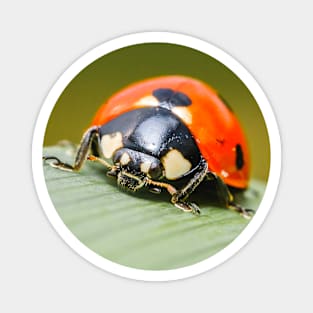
(133,168)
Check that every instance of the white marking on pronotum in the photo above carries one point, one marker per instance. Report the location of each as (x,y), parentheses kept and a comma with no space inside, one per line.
(111,143)
(183,113)
(145,166)
(175,164)
(125,159)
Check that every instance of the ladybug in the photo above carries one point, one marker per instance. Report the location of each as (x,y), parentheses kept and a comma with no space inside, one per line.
(168,133)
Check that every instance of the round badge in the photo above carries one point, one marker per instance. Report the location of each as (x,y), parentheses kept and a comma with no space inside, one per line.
(156,156)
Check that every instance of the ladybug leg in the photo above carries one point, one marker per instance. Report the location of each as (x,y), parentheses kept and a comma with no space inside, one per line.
(227,198)
(113,170)
(246,213)
(81,155)
(155,186)
(180,196)
(188,207)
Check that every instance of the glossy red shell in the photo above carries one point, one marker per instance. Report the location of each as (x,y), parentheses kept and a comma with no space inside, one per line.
(214,126)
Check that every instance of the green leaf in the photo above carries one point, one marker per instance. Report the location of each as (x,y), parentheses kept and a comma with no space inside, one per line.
(140,230)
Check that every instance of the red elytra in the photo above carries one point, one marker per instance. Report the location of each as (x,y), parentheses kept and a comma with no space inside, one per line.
(214,126)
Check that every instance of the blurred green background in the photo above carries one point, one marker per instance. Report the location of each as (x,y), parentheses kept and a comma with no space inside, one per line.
(80,100)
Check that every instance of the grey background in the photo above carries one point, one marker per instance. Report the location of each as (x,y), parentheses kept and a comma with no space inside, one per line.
(39,272)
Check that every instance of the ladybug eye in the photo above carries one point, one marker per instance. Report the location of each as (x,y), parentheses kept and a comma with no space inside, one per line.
(155,171)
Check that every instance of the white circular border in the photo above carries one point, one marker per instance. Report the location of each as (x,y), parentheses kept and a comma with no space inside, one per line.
(156,37)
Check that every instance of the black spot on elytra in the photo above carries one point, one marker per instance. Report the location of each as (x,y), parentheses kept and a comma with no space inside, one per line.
(169,98)
(239,157)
